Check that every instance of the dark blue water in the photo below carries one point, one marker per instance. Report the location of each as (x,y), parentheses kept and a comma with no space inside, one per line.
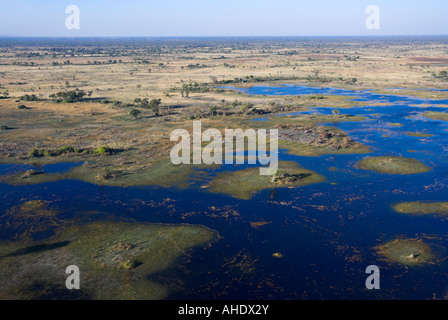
(327,232)
(359,95)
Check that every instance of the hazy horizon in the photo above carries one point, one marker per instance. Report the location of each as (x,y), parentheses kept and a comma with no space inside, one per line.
(200,18)
(227,36)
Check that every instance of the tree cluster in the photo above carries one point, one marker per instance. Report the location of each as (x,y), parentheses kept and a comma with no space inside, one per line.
(69,96)
(152,105)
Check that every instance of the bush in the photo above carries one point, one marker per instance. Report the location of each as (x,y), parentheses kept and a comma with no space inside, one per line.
(134,113)
(317,97)
(443,75)
(213,110)
(246,108)
(102,150)
(48,153)
(22,107)
(154,103)
(66,149)
(35,152)
(4,94)
(29,97)
(69,96)
(4,128)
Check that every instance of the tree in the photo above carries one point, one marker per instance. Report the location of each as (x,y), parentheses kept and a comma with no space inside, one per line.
(443,75)
(154,106)
(144,103)
(69,96)
(185,91)
(154,103)
(5,94)
(213,110)
(134,113)
(29,97)
(156,111)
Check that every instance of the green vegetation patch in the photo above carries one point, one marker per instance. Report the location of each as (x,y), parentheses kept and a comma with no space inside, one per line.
(393,165)
(421,208)
(302,135)
(34,219)
(68,96)
(436,115)
(114,259)
(103,150)
(311,119)
(161,173)
(420,135)
(243,184)
(307,150)
(31,177)
(115,171)
(410,252)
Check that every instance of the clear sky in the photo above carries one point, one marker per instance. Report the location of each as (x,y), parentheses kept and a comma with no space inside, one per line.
(43,18)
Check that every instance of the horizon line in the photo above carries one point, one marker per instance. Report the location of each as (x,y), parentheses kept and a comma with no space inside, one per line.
(232,36)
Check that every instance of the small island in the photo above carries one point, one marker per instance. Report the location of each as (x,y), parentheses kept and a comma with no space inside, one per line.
(243,184)
(393,165)
(436,115)
(419,135)
(115,258)
(421,208)
(409,252)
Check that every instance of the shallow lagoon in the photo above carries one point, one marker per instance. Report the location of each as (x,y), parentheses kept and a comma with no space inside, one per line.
(326,233)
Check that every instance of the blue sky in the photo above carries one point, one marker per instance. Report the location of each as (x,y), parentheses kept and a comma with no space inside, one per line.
(42,18)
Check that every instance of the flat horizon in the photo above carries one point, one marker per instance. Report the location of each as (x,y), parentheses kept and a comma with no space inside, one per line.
(230,36)
(200,18)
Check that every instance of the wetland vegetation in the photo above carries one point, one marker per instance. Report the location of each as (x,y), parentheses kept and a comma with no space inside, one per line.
(393,165)
(422,208)
(86,176)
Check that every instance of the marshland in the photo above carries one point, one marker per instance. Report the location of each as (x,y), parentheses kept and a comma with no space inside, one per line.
(86,176)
